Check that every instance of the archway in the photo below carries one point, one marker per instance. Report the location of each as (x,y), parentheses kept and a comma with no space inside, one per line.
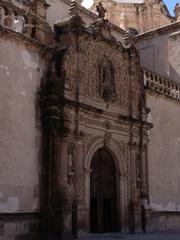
(103,196)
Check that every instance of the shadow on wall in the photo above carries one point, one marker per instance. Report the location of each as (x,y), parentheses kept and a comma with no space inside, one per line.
(36,237)
(173,74)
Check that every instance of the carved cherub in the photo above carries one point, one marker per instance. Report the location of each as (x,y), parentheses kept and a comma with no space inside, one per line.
(101,10)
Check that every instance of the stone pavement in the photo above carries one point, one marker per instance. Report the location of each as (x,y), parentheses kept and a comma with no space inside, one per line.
(107,236)
(147,236)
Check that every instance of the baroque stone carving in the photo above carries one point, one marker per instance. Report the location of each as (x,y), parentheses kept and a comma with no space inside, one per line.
(90,57)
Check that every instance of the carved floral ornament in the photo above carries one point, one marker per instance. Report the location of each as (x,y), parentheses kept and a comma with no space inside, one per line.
(107,82)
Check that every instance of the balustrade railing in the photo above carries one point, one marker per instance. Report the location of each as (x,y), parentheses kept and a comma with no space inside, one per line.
(161,84)
(17,19)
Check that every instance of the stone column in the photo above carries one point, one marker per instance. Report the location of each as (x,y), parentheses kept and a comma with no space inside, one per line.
(82,220)
(144,188)
(50,106)
(135,204)
(63,213)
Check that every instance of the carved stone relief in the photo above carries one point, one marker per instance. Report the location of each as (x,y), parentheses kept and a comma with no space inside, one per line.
(136,84)
(94,80)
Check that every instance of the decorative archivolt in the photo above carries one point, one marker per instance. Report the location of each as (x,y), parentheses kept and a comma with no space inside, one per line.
(113,148)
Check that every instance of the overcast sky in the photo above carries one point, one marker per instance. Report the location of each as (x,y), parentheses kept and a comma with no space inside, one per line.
(170,4)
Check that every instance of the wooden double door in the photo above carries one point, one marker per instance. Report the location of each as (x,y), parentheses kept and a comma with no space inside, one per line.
(103,202)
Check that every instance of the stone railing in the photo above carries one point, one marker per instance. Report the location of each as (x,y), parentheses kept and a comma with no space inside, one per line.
(24,20)
(16,19)
(161,84)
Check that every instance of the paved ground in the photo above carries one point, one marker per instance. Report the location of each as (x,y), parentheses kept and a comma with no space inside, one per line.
(115,236)
(157,236)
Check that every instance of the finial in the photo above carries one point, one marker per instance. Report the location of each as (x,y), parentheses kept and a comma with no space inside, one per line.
(100,10)
(177,11)
(123,20)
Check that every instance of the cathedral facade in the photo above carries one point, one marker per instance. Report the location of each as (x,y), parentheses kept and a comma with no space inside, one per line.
(88,123)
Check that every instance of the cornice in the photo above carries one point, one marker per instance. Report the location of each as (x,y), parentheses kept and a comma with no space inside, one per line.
(160,31)
(122,4)
(94,17)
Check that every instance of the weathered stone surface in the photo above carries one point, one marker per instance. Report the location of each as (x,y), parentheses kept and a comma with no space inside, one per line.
(61,103)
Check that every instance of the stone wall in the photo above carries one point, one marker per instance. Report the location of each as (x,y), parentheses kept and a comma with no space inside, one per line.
(163,162)
(159,51)
(173,55)
(56,11)
(20,74)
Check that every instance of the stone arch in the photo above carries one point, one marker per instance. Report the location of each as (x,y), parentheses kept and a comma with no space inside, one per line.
(119,161)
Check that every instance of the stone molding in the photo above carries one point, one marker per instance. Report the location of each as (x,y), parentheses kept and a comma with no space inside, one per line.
(113,149)
(20,216)
(160,31)
(93,16)
(161,84)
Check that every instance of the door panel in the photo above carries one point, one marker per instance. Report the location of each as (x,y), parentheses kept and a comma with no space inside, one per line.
(103,209)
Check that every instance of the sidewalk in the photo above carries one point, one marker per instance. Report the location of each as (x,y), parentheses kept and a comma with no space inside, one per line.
(148,236)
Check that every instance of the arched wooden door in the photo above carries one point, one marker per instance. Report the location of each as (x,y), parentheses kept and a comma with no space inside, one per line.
(103,202)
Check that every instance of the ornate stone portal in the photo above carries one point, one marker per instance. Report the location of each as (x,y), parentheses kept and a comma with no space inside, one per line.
(100,105)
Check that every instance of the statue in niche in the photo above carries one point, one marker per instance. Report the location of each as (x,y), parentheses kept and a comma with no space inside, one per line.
(107,88)
(107,138)
(138,169)
(70,163)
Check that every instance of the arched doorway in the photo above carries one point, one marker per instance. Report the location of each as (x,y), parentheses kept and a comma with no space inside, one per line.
(103,197)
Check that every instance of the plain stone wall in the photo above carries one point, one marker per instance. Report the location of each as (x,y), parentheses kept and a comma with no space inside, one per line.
(174,55)
(153,53)
(163,159)
(160,53)
(57,11)
(20,76)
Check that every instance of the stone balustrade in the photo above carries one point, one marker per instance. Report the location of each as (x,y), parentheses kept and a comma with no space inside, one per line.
(30,21)
(16,19)
(161,84)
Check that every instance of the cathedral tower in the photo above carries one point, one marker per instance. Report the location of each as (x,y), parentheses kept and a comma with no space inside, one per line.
(137,16)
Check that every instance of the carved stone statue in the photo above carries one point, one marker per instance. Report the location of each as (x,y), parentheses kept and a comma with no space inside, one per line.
(101,10)
(107,88)
(19,24)
(70,163)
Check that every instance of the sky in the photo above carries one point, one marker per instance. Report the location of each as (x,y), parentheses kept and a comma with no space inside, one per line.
(170,4)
